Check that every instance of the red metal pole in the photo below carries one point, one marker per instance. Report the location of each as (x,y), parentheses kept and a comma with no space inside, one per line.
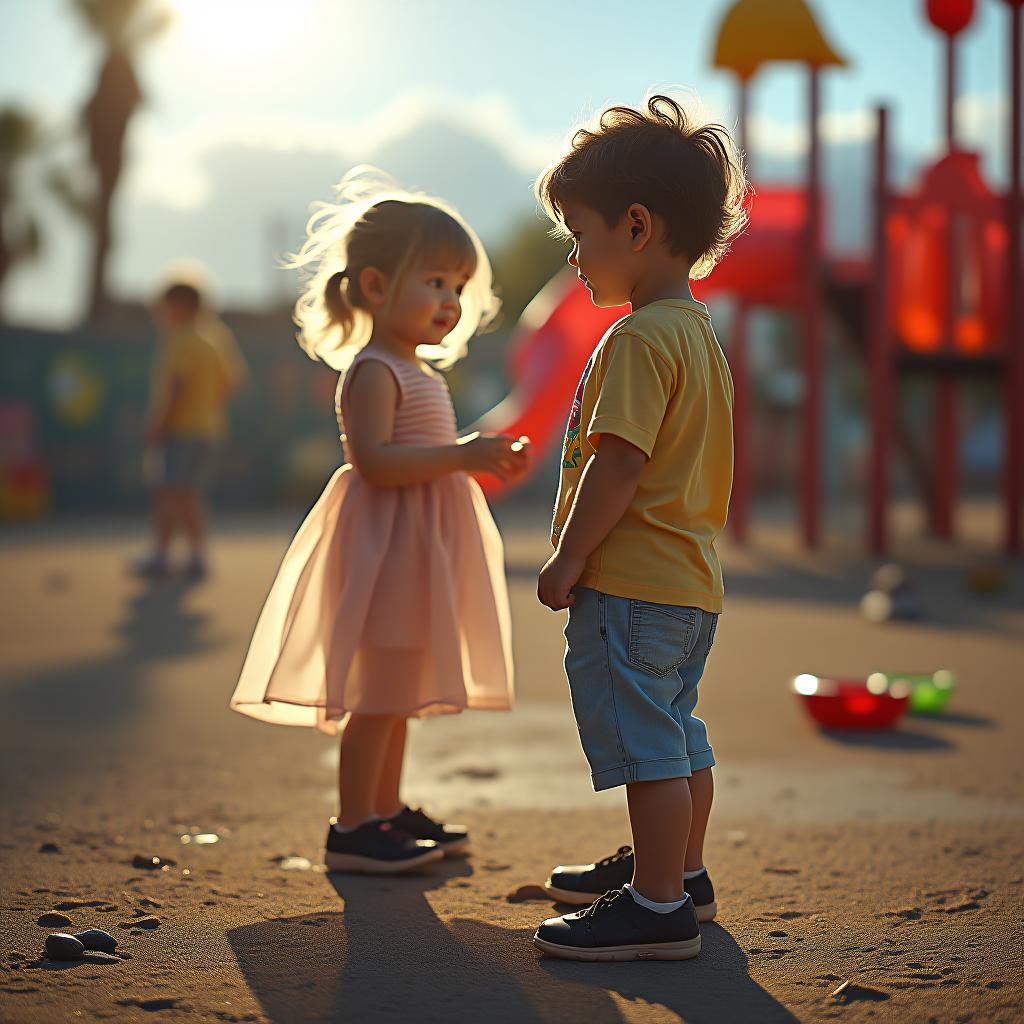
(1014,395)
(810,483)
(944,447)
(879,350)
(739,505)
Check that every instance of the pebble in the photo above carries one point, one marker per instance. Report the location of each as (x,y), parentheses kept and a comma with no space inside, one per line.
(149,922)
(97,940)
(54,920)
(295,864)
(60,946)
(525,893)
(49,848)
(152,863)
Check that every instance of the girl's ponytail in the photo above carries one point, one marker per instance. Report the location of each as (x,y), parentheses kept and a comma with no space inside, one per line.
(339,312)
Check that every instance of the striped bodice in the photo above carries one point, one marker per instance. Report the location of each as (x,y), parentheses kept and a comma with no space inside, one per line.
(424,415)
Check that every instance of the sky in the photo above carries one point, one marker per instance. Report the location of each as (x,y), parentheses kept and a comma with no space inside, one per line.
(254,108)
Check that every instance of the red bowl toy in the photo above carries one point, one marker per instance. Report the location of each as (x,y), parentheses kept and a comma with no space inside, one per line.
(852,703)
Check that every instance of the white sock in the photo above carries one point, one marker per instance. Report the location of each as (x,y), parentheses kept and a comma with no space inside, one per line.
(338,827)
(658,908)
(687,875)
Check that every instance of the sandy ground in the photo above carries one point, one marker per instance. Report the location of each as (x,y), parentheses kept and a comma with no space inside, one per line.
(893,860)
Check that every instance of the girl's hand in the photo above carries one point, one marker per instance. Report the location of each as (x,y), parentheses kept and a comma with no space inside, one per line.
(501,455)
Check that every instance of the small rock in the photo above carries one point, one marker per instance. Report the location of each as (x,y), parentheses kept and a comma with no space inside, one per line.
(497,867)
(60,946)
(152,863)
(848,992)
(779,934)
(97,940)
(773,870)
(53,920)
(145,901)
(49,848)
(527,892)
(202,839)
(295,864)
(149,922)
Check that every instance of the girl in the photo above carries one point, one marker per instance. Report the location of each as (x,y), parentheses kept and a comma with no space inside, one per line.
(391,600)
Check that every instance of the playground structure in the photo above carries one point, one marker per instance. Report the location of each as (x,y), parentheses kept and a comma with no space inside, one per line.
(942,282)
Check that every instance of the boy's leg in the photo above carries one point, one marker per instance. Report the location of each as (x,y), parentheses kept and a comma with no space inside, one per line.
(364,745)
(659,815)
(702,793)
(193,515)
(388,801)
(164,520)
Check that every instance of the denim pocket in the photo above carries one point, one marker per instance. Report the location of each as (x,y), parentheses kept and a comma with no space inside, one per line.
(661,636)
(711,632)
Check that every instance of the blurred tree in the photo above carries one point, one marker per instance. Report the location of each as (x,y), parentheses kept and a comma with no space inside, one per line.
(122,27)
(524,264)
(19,230)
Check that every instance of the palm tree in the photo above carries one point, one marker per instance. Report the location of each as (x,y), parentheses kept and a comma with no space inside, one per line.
(19,230)
(123,27)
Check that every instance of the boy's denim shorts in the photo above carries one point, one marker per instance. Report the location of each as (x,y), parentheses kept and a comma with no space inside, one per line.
(633,669)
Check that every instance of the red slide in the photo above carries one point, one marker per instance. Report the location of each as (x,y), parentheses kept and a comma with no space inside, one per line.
(561,327)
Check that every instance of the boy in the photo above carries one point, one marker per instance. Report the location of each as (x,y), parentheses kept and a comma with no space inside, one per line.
(650,200)
(196,370)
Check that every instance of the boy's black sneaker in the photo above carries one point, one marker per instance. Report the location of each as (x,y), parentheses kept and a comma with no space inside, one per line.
(616,927)
(453,839)
(581,884)
(376,847)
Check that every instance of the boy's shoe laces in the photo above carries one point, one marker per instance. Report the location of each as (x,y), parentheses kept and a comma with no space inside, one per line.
(602,903)
(620,854)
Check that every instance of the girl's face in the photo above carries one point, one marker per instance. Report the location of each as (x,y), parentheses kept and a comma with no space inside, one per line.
(427,304)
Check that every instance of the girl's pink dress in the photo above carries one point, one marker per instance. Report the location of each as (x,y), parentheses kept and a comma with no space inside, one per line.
(390,600)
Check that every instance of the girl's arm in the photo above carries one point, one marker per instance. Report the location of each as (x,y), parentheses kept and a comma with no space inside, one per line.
(370,424)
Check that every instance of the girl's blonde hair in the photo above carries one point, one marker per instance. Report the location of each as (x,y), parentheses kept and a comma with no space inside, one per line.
(375,223)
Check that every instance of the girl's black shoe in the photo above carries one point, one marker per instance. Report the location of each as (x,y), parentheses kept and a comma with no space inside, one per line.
(376,847)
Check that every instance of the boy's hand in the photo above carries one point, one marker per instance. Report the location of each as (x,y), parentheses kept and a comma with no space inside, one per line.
(559,575)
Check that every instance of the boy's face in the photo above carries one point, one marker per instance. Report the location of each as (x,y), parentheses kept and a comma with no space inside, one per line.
(604,257)
(171,316)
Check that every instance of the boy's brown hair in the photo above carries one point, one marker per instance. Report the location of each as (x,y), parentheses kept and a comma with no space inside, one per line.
(182,295)
(687,172)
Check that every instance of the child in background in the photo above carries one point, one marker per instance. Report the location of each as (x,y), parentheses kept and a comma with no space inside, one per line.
(650,199)
(196,370)
(391,601)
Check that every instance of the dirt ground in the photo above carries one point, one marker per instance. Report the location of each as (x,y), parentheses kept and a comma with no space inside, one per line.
(894,861)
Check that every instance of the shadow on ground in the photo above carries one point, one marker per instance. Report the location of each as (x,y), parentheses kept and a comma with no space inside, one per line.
(102,694)
(383,954)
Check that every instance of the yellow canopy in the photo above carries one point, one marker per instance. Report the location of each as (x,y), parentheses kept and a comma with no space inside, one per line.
(756,32)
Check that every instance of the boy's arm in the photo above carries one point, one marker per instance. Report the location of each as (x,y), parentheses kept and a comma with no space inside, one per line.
(607,487)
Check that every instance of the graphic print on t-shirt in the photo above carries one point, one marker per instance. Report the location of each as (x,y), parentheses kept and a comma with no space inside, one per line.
(572,451)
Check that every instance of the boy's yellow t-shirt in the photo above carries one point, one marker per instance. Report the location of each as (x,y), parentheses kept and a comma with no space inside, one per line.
(660,380)
(206,361)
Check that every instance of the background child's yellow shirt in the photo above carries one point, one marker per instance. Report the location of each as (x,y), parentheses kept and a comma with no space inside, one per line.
(660,380)
(206,361)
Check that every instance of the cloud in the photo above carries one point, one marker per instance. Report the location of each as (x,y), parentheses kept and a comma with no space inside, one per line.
(172,167)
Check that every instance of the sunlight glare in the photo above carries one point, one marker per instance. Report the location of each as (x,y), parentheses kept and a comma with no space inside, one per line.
(241,29)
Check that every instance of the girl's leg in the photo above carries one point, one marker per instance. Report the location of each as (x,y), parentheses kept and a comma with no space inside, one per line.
(388,801)
(364,745)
